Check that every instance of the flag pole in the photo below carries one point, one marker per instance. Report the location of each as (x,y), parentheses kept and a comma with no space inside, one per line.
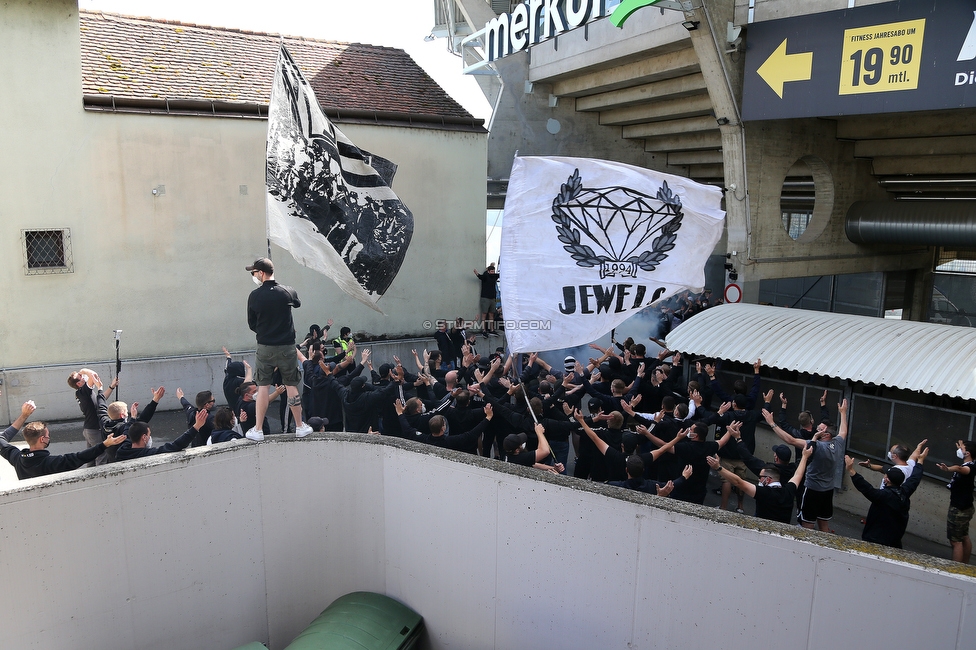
(118,355)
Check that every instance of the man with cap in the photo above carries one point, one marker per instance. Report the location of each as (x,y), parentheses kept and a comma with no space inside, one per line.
(269,317)
(318,424)
(888,515)
(516,453)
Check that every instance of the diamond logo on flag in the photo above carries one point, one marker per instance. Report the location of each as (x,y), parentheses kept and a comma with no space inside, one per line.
(624,237)
(329,203)
(618,221)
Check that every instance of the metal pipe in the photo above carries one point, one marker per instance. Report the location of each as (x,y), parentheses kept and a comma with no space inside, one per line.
(933,223)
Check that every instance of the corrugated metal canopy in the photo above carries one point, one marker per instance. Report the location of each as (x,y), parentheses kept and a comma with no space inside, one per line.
(926,357)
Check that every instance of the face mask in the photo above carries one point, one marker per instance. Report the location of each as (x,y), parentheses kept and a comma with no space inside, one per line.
(149,442)
(961,454)
(891,457)
(256,281)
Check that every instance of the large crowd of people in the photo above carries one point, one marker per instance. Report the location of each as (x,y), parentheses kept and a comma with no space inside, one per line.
(632,420)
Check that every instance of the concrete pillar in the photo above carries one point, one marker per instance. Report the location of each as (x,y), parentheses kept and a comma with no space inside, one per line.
(723,79)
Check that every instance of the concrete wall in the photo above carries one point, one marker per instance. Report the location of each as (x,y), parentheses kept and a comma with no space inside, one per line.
(216,547)
(48,387)
(775,9)
(167,269)
(772,148)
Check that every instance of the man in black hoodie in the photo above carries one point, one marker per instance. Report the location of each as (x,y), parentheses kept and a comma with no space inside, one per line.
(361,404)
(118,417)
(139,444)
(235,374)
(88,392)
(38,461)
(888,515)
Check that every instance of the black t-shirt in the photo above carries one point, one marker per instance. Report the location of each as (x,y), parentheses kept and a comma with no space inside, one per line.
(638,484)
(775,503)
(488,281)
(961,488)
(616,464)
(694,453)
(526,458)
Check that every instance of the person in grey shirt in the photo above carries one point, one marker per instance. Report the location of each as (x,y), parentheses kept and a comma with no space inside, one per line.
(824,470)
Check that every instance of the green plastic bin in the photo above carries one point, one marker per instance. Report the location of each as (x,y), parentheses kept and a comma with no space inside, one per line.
(362,621)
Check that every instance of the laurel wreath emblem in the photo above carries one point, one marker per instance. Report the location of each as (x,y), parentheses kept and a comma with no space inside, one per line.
(571,236)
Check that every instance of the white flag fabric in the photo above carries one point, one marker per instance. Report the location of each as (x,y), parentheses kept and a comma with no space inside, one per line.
(588,243)
(329,203)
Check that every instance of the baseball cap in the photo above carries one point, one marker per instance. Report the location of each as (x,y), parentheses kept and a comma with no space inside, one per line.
(513,441)
(782,452)
(896,476)
(262,264)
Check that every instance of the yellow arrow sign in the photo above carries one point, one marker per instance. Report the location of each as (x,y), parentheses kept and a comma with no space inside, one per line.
(781,67)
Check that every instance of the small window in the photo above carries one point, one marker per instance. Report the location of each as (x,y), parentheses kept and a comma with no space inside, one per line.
(47,251)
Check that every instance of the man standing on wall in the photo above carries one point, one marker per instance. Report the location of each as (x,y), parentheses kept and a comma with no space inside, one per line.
(269,317)
(489,282)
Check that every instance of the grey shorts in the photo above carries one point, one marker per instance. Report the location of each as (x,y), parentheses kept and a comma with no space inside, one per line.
(488,306)
(282,357)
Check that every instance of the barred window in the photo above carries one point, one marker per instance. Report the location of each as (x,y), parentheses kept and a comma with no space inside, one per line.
(47,251)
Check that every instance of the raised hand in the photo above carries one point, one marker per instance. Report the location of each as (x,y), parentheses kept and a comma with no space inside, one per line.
(111,441)
(201,419)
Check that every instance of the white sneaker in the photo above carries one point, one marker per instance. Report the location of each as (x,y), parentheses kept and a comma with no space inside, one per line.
(303,431)
(254,434)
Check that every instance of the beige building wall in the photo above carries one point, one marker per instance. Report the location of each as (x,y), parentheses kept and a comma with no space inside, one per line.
(167,269)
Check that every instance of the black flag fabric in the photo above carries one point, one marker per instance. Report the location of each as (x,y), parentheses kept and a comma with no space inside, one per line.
(329,203)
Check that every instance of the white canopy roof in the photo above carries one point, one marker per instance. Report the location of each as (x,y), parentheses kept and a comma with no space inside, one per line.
(926,357)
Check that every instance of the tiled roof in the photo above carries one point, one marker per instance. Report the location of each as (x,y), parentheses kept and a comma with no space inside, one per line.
(146,59)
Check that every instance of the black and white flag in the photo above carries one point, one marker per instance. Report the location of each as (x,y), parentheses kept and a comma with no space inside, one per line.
(329,203)
(588,243)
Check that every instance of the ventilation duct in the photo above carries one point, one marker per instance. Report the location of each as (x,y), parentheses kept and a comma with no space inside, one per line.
(936,223)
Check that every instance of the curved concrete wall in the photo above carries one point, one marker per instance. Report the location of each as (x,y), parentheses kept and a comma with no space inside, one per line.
(216,547)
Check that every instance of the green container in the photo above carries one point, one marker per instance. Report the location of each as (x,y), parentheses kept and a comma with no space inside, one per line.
(362,621)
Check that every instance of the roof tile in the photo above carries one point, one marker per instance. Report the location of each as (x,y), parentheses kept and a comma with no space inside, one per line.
(145,58)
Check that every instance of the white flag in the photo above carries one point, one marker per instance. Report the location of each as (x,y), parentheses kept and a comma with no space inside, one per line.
(588,243)
(329,203)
